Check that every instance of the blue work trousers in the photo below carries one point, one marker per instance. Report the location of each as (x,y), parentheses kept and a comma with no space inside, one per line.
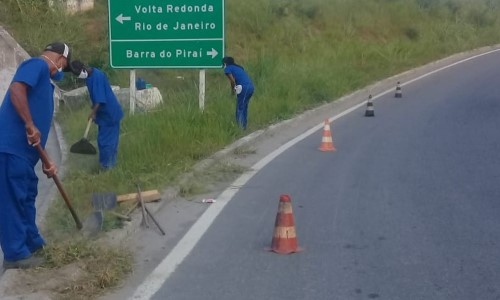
(242,100)
(107,141)
(19,235)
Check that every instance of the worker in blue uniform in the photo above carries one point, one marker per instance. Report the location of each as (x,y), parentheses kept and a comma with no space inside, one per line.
(25,119)
(242,86)
(106,112)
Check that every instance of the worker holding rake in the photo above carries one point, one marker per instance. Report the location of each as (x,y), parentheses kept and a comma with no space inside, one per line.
(106,112)
(25,119)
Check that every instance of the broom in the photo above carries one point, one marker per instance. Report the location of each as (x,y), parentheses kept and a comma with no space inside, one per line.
(83,146)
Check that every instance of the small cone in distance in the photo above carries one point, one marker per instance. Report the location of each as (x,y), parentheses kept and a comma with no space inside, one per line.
(326,140)
(399,92)
(370,112)
(284,237)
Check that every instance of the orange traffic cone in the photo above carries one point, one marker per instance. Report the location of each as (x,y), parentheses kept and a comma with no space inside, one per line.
(327,141)
(285,237)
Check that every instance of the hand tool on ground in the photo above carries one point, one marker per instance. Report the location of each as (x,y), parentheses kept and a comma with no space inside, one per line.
(154,220)
(46,161)
(134,206)
(83,146)
(107,202)
(143,205)
(147,196)
(121,216)
(143,208)
(102,202)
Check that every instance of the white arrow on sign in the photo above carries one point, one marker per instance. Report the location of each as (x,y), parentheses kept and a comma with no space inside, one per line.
(213,53)
(121,18)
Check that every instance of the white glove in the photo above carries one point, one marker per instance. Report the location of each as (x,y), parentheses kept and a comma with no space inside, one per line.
(237,89)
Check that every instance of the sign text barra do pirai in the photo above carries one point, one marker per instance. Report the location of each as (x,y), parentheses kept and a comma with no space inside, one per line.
(167,34)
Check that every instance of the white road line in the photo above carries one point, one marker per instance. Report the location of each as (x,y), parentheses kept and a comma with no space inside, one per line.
(160,274)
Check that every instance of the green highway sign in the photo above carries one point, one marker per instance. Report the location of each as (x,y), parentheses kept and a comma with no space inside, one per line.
(166,34)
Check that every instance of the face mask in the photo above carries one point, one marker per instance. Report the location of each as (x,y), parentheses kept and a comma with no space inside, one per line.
(59,69)
(83,74)
(58,76)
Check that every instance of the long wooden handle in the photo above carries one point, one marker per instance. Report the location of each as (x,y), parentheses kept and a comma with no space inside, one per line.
(143,208)
(46,161)
(87,129)
(154,220)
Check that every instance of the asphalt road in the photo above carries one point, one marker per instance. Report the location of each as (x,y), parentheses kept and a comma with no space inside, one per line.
(406,208)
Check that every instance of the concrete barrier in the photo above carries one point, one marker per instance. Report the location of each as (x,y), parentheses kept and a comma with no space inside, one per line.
(11,55)
(5,78)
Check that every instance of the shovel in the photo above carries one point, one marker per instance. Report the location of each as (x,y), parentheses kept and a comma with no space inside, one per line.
(107,202)
(101,202)
(83,146)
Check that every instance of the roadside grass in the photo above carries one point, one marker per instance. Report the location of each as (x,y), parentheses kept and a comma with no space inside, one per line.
(300,55)
(77,269)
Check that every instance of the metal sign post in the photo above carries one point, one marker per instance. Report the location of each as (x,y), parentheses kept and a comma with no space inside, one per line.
(132,92)
(201,96)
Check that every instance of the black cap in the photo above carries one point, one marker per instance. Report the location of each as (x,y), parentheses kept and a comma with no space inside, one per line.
(77,67)
(64,50)
(228,60)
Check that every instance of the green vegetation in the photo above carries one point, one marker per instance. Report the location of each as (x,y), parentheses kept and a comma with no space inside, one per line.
(300,54)
(100,267)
